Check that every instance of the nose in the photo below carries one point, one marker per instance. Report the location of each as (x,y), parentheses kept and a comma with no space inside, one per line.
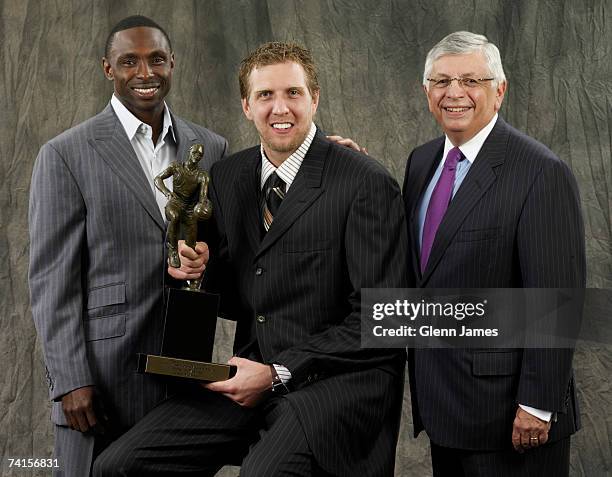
(455,89)
(280,106)
(144,70)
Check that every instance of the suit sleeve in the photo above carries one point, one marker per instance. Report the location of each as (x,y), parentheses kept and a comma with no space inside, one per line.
(57,218)
(375,247)
(551,252)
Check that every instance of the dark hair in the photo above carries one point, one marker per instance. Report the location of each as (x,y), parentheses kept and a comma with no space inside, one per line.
(132,22)
(278,52)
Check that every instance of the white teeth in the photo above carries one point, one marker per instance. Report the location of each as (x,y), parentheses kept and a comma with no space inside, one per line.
(281,125)
(457,110)
(145,90)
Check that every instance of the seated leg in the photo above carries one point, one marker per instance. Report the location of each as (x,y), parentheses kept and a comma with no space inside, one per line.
(192,434)
(282,449)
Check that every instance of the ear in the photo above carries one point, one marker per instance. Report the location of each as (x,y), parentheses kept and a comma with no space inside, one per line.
(172,60)
(108,69)
(429,100)
(500,91)
(315,101)
(246,109)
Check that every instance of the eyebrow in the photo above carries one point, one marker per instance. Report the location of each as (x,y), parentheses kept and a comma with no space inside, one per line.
(153,53)
(464,75)
(160,53)
(267,90)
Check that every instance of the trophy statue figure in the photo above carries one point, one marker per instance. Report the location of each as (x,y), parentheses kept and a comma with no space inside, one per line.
(187,203)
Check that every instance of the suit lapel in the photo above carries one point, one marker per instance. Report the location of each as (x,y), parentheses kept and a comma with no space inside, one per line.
(113,145)
(247,187)
(305,189)
(479,179)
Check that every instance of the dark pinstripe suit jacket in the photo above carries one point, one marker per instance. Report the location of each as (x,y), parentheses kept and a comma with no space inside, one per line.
(514,222)
(97,267)
(341,227)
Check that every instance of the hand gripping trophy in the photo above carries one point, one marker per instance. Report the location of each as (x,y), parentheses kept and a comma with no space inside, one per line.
(187,203)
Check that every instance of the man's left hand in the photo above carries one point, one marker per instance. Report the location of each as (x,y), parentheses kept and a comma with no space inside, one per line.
(248,386)
(528,431)
(348,142)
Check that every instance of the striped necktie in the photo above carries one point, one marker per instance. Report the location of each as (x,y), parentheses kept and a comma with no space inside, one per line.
(274,193)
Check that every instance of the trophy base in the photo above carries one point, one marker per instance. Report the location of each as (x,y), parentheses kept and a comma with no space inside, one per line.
(184,368)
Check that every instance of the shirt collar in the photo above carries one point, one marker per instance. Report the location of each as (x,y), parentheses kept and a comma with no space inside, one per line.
(290,166)
(131,123)
(471,148)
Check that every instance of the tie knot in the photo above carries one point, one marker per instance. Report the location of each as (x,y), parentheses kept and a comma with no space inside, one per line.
(273,182)
(453,157)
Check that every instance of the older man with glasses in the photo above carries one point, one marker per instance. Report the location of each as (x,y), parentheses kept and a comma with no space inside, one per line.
(489,207)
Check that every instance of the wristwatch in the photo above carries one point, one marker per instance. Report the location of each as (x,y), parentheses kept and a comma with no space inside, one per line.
(278,387)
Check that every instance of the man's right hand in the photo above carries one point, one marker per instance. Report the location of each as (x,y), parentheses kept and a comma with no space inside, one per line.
(78,406)
(193,262)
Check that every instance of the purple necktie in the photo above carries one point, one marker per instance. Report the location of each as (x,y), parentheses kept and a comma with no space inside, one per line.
(440,198)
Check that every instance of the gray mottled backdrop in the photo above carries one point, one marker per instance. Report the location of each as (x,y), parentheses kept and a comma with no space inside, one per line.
(370,55)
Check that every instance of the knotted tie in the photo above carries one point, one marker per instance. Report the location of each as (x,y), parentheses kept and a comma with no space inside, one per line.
(440,198)
(274,193)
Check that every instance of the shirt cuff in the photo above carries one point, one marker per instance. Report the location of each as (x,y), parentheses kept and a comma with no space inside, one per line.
(283,373)
(543,415)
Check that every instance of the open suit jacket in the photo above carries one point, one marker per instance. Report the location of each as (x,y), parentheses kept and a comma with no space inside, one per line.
(514,222)
(97,270)
(296,291)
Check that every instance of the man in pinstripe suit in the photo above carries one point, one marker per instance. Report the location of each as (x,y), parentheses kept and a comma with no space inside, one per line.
(490,207)
(97,238)
(300,226)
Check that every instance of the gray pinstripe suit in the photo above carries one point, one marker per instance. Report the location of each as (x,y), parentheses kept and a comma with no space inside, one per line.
(514,222)
(97,270)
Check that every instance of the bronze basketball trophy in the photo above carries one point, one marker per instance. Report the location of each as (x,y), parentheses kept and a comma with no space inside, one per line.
(190,313)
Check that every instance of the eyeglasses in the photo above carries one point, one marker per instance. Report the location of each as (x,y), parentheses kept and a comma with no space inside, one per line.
(466,83)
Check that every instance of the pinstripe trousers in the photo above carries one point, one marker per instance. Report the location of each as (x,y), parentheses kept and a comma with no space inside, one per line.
(550,460)
(199,432)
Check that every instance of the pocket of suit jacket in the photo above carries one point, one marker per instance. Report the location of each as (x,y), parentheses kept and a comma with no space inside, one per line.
(496,363)
(104,317)
(477,235)
(300,246)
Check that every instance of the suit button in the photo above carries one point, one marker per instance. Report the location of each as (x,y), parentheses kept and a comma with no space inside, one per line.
(258,271)
(261,319)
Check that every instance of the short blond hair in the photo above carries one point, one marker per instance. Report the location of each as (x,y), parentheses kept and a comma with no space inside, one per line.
(273,53)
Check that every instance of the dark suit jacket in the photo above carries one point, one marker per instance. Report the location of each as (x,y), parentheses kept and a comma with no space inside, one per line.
(514,222)
(341,227)
(97,268)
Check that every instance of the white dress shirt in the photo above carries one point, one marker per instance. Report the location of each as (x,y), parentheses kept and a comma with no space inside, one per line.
(153,158)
